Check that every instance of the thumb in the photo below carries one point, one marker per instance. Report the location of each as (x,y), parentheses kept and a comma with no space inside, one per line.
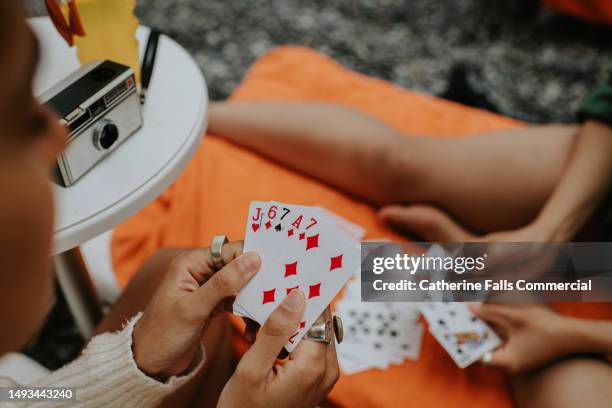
(490,311)
(275,332)
(500,358)
(493,314)
(200,304)
(426,221)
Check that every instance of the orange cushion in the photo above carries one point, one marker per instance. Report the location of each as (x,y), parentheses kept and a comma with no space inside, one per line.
(213,194)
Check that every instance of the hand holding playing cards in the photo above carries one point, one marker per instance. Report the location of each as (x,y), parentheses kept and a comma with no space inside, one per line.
(533,334)
(301,381)
(168,335)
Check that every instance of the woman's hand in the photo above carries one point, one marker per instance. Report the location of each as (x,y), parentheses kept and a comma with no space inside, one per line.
(168,335)
(534,335)
(301,381)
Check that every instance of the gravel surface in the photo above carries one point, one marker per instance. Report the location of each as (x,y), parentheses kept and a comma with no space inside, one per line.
(534,67)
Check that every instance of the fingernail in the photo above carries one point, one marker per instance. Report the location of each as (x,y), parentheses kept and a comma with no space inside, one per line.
(248,262)
(294,300)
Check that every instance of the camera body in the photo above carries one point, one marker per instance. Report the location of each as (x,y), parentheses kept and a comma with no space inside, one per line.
(100,107)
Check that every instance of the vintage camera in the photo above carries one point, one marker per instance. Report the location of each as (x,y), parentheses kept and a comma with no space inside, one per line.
(99,106)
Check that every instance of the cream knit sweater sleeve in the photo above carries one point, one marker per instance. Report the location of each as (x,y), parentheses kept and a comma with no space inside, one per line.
(106,375)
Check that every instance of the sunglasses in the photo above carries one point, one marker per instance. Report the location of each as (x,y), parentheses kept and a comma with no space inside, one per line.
(67,28)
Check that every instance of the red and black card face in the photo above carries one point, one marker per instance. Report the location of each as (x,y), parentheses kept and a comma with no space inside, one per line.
(301,247)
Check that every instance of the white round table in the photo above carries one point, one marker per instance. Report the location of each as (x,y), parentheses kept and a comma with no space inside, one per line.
(175,117)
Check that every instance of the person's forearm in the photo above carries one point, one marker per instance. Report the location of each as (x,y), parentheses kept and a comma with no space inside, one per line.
(587,336)
(584,184)
(106,374)
(338,145)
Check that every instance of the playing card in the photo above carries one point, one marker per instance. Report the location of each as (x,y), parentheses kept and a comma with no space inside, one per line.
(352,229)
(452,317)
(353,358)
(383,328)
(257,225)
(279,252)
(294,220)
(285,221)
(376,334)
(462,334)
(299,249)
(278,263)
(466,348)
(368,333)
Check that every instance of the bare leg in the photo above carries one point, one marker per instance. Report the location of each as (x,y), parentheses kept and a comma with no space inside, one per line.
(486,183)
(577,382)
(206,387)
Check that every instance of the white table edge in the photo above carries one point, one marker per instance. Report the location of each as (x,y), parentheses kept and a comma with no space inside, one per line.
(136,200)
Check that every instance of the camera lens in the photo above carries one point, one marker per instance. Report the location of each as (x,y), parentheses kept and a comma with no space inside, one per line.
(106,135)
(110,133)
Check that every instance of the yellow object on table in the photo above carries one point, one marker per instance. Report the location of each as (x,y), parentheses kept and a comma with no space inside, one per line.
(110,32)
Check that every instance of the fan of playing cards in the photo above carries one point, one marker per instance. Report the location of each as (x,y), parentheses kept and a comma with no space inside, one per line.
(301,247)
(376,334)
(380,334)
